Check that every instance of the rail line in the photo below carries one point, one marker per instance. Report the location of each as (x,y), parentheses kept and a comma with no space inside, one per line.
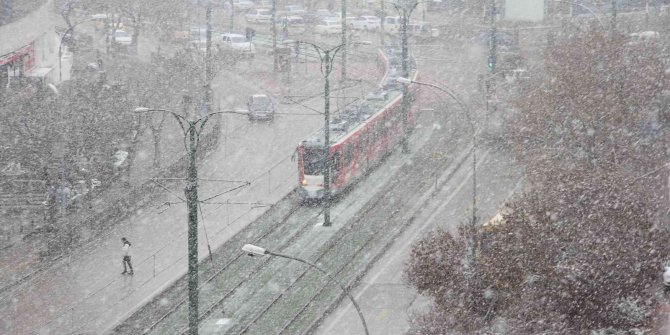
(357,228)
(330,246)
(234,272)
(363,227)
(227,265)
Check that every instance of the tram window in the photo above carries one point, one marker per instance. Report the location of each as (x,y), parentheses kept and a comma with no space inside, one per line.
(335,162)
(347,154)
(365,139)
(313,161)
(379,129)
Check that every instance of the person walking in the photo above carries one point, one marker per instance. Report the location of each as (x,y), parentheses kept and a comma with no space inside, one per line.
(126,256)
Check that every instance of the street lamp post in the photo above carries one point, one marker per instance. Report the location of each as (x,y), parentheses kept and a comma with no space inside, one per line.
(473,150)
(256,250)
(575,3)
(326,56)
(343,75)
(405,9)
(60,45)
(192,129)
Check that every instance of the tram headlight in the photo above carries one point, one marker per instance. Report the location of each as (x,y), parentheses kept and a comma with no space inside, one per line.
(304,182)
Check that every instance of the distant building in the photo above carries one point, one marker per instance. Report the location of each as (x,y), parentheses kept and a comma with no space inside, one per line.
(525,10)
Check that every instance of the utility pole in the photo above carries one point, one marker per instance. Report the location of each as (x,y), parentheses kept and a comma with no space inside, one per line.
(405,91)
(326,135)
(493,56)
(191,191)
(327,58)
(381,23)
(405,12)
(343,77)
(191,127)
(614,9)
(274,36)
(232,15)
(208,61)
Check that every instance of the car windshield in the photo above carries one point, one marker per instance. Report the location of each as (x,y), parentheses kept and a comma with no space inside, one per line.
(238,39)
(260,103)
(121,33)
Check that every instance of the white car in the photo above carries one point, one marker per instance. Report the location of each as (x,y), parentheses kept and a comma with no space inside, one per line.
(422,30)
(121,37)
(294,24)
(238,44)
(328,27)
(239,5)
(259,15)
(295,10)
(392,24)
(365,22)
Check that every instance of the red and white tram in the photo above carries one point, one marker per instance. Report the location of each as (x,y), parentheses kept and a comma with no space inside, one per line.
(359,138)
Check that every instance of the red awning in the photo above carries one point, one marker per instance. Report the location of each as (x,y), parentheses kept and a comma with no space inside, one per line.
(16,55)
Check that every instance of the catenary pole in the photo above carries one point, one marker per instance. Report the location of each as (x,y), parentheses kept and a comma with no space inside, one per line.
(343,76)
(275,66)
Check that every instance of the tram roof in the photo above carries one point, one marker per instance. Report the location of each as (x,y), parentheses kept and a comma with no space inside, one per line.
(357,114)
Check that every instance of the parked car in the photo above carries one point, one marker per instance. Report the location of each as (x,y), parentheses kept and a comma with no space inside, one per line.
(422,30)
(392,24)
(259,15)
(295,10)
(318,15)
(238,44)
(328,27)
(239,5)
(121,37)
(643,37)
(338,16)
(505,41)
(260,107)
(365,22)
(294,24)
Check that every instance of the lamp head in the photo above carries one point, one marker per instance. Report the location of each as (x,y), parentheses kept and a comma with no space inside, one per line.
(403,80)
(141,109)
(254,250)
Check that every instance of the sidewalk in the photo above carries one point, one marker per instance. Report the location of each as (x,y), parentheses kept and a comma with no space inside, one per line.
(25,257)
(84,291)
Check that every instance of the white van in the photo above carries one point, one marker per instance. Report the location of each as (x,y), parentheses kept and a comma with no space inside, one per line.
(392,24)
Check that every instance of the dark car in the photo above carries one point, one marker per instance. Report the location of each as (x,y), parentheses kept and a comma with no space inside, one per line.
(260,107)
(505,41)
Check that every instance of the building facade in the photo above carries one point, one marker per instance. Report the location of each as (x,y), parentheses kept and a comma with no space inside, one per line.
(29,51)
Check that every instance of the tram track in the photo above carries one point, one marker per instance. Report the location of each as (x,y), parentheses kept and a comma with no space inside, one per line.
(356,229)
(330,246)
(208,311)
(228,264)
(275,296)
(364,231)
(233,275)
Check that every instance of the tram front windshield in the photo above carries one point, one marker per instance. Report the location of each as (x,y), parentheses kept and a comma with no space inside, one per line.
(313,161)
